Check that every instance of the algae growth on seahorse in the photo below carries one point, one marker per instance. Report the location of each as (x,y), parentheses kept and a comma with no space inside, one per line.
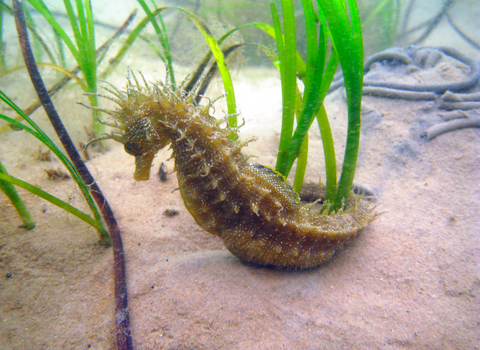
(257,214)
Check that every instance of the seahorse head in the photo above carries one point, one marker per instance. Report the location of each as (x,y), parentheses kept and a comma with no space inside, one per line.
(142,141)
(140,119)
(137,124)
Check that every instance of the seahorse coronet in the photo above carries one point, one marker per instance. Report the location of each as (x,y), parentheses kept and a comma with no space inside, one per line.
(251,207)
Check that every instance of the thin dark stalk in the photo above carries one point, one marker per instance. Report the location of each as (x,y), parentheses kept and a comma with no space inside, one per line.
(197,75)
(462,34)
(406,17)
(210,74)
(102,50)
(124,339)
(446,5)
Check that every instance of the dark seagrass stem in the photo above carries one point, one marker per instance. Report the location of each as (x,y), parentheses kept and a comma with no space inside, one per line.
(124,338)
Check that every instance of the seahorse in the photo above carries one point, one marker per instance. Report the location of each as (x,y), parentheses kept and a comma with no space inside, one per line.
(250,207)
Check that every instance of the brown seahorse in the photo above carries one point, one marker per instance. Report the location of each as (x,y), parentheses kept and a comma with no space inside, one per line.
(251,207)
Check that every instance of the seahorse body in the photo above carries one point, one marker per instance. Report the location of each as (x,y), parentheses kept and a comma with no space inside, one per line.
(256,213)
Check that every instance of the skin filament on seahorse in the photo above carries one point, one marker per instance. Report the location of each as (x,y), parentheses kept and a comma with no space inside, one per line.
(257,214)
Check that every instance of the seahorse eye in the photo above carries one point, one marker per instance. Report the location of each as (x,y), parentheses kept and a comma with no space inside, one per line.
(132,148)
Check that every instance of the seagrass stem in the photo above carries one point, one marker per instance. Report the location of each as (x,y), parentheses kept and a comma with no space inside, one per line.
(124,339)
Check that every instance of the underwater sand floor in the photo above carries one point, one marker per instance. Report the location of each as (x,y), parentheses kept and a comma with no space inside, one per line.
(410,280)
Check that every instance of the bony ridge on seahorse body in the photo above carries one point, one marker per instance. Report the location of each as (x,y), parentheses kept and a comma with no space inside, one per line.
(256,213)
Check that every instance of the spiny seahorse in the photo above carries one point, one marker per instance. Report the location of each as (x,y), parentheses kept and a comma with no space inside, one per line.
(251,207)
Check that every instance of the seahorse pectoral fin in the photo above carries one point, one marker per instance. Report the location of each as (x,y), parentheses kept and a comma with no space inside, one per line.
(143,163)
